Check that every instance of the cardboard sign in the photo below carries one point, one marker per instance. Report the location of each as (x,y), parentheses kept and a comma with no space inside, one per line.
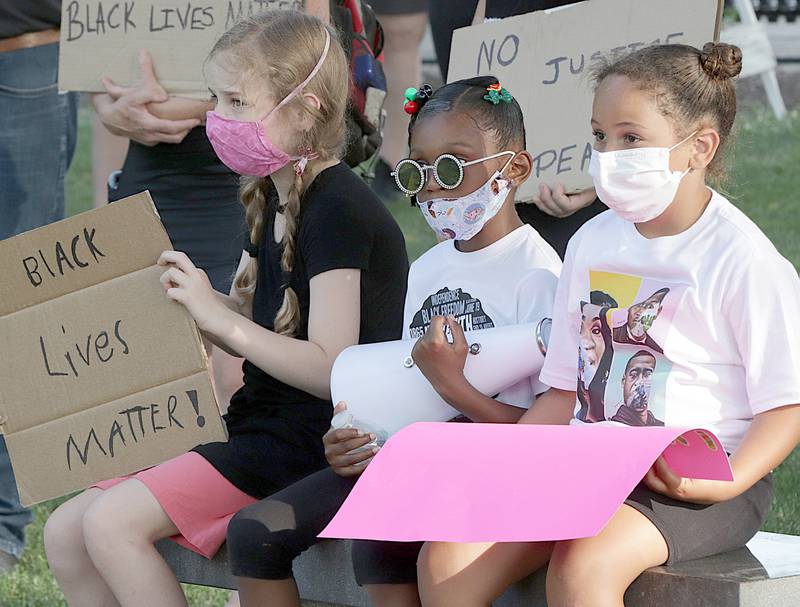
(102,38)
(544,59)
(101,374)
(513,482)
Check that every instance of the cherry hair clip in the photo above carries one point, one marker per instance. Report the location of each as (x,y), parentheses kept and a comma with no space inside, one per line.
(416,98)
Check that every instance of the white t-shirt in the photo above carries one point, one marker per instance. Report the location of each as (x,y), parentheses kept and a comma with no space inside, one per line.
(700,329)
(510,282)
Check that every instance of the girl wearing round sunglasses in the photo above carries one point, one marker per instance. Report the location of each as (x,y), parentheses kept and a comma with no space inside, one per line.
(448,171)
(466,162)
(496,272)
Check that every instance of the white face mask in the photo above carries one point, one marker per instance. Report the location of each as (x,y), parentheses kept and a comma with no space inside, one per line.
(462,218)
(637,184)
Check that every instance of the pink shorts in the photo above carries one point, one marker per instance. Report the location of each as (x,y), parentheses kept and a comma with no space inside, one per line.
(197,498)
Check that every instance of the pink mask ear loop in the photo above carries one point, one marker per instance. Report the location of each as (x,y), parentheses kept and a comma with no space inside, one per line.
(302,161)
(313,73)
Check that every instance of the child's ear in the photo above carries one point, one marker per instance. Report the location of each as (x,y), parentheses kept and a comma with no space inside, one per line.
(705,146)
(312,100)
(520,168)
(304,121)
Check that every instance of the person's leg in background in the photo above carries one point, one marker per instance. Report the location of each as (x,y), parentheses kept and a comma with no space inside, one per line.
(404,25)
(37,140)
(108,154)
(446,17)
(13,517)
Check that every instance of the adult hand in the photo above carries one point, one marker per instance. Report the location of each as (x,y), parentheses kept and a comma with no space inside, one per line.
(440,361)
(344,448)
(124,111)
(662,479)
(558,203)
(190,286)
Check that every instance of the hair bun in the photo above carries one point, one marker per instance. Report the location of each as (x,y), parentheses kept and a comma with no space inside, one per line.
(721,61)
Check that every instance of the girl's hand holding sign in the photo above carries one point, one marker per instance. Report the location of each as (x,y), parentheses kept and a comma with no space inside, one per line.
(189,285)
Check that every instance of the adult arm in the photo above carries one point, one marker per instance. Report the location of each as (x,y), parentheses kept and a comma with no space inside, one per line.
(320,9)
(133,112)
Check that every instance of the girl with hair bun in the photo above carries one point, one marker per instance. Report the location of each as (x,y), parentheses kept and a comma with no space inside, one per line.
(727,324)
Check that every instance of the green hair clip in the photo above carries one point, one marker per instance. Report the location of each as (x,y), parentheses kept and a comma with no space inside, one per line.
(496,93)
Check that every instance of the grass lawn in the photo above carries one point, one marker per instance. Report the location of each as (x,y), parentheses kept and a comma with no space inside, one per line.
(765,183)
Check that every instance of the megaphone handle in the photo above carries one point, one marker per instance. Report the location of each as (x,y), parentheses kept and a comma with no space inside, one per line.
(543,334)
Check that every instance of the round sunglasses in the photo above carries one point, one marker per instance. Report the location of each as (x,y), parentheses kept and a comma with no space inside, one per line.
(448,171)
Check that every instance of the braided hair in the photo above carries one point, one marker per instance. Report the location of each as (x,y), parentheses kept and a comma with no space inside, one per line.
(281,48)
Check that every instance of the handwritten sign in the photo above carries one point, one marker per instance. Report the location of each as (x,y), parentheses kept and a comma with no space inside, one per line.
(102,375)
(102,38)
(513,482)
(544,59)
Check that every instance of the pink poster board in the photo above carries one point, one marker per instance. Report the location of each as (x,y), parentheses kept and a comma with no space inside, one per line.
(512,483)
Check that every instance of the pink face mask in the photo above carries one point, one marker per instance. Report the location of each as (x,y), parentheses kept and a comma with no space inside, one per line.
(245,148)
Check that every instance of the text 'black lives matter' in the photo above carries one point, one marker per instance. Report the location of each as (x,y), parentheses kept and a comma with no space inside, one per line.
(98,348)
(63,258)
(130,426)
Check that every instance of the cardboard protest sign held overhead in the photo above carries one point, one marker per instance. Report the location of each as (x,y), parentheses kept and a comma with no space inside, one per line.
(101,374)
(102,38)
(545,58)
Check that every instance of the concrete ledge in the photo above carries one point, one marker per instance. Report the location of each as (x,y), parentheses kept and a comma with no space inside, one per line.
(765,574)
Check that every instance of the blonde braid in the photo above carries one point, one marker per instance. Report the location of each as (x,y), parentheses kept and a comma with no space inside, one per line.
(253,193)
(287,320)
(281,47)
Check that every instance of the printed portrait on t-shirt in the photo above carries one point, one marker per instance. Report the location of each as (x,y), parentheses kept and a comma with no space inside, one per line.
(622,370)
(641,317)
(466,309)
(595,353)
(637,381)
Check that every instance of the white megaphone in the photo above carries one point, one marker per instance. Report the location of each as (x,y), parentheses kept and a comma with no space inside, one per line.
(385,391)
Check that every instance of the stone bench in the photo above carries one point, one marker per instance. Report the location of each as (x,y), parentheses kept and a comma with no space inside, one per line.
(765,574)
